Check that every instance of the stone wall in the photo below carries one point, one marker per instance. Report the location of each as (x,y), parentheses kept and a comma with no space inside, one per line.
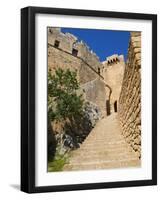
(96,92)
(113,71)
(68,42)
(86,63)
(130,98)
(60,59)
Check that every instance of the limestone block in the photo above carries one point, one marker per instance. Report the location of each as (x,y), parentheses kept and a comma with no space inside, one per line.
(137,141)
(135,33)
(130,97)
(138,56)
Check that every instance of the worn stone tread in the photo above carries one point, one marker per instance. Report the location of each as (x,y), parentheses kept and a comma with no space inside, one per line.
(104,148)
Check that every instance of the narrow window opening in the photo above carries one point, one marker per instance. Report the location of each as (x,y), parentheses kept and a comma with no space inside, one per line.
(98,70)
(57,43)
(74,52)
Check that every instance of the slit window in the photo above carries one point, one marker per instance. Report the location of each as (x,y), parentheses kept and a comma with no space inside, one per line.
(56,44)
(98,70)
(74,52)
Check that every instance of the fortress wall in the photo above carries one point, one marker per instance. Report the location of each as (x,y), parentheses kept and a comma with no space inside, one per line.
(68,42)
(85,63)
(94,88)
(130,98)
(113,71)
(60,59)
(88,55)
(96,93)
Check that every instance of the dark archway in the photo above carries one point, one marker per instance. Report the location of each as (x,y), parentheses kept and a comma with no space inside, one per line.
(74,52)
(115,106)
(108,107)
(56,44)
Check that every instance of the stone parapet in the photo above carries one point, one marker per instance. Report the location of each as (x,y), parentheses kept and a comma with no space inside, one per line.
(69,42)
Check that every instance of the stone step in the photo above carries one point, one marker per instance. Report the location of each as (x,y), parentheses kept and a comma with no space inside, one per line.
(104,148)
(103,165)
(103,142)
(104,139)
(108,141)
(106,155)
(104,145)
(109,135)
(100,158)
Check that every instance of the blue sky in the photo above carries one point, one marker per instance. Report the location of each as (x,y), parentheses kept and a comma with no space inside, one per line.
(103,42)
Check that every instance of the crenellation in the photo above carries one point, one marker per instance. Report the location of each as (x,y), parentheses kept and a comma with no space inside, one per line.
(114,59)
(68,41)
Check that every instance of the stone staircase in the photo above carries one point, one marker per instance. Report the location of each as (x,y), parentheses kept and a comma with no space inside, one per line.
(104,148)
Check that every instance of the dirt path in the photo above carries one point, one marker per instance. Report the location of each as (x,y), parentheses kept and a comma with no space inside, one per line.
(104,148)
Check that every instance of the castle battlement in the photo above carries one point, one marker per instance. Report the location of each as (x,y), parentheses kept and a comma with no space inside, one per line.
(101,81)
(115,58)
(70,43)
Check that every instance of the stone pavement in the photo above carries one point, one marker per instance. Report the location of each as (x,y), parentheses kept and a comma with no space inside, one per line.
(104,148)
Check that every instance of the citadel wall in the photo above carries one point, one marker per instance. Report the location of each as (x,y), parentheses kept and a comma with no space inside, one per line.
(130,98)
(87,64)
(112,71)
(70,47)
(96,92)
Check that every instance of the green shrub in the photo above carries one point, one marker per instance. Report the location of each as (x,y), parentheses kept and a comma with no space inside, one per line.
(64,104)
(63,100)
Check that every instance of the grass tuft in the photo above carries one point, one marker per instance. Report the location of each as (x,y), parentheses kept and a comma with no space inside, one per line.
(58,163)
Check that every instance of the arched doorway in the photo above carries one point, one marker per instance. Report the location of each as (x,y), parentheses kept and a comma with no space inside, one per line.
(115,106)
(108,107)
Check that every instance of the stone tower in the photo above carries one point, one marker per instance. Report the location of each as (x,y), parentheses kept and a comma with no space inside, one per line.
(113,71)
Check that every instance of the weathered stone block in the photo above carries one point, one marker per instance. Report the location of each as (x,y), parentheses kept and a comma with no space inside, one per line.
(130,96)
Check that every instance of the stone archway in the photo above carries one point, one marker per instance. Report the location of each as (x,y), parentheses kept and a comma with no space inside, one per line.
(108,107)
(115,106)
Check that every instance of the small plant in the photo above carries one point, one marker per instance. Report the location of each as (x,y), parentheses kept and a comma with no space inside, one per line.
(58,163)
